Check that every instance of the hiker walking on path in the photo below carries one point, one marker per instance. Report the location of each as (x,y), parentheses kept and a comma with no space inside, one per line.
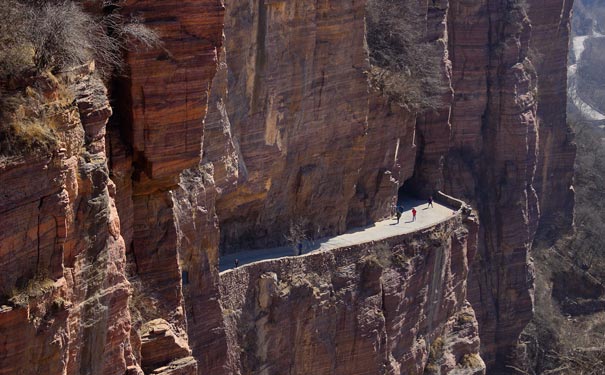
(430,202)
(236,262)
(413,214)
(398,213)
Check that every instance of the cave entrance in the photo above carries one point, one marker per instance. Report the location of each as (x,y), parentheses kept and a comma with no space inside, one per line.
(407,195)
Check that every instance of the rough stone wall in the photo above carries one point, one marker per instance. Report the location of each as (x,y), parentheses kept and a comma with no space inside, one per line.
(61,253)
(304,124)
(549,45)
(374,308)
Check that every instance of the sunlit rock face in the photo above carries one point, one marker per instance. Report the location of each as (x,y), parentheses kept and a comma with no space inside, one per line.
(314,144)
(393,306)
(255,116)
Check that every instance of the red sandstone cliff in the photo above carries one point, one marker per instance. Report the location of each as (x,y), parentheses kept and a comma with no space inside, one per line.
(62,254)
(387,307)
(255,115)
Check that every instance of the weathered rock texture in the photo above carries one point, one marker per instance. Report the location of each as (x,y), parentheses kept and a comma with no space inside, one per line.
(493,158)
(375,308)
(554,173)
(62,255)
(509,155)
(314,145)
(255,116)
(162,121)
(88,286)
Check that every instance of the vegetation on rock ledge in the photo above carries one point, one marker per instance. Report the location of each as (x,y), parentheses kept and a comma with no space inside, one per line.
(405,67)
(40,38)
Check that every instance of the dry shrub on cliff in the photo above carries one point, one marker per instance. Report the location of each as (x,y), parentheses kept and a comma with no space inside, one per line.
(54,35)
(405,67)
(42,37)
(26,125)
(35,287)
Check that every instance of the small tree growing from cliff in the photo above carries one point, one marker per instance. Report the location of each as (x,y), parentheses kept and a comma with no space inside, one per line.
(297,234)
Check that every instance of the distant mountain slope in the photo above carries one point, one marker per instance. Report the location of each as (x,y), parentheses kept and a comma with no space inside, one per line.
(587,61)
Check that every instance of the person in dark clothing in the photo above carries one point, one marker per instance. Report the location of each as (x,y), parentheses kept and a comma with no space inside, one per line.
(300,249)
(398,214)
(236,262)
(430,202)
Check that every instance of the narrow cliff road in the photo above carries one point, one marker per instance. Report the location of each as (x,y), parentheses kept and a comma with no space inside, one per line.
(426,217)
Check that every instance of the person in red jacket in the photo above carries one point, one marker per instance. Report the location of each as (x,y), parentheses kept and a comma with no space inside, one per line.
(413,214)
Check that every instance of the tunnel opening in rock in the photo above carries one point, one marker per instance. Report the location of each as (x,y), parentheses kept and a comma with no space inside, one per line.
(408,196)
(406,191)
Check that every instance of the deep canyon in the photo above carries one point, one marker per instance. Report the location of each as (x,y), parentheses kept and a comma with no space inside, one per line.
(254,116)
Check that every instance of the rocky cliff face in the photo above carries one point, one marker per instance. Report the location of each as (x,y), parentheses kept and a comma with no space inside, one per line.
(62,253)
(303,124)
(492,160)
(256,116)
(393,306)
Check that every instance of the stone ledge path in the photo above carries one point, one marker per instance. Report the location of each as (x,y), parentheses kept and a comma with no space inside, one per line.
(425,217)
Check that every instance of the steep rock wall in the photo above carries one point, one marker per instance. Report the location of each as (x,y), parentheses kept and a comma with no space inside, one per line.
(97,293)
(62,255)
(374,308)
(161,125)
(506,149)
(304,124)
(554,175)
(289,132)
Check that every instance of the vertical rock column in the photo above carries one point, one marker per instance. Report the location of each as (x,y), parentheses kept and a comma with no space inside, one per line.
(554,177)
(493,161)
(60,244)
(433,128)
(168,92)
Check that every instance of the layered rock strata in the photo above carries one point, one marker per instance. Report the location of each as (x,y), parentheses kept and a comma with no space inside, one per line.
(109,247)
(315,147)
(373,308)
(554,174)
(163,106)
(61,252)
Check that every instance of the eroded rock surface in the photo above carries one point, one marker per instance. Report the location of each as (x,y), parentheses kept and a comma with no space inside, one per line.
(257,115)
(375,308)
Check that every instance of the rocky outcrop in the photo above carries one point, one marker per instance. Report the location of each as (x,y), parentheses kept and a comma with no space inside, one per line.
(86,283)
(63,263)
(165,101)
(506,150)
(554,173)
(373,308)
